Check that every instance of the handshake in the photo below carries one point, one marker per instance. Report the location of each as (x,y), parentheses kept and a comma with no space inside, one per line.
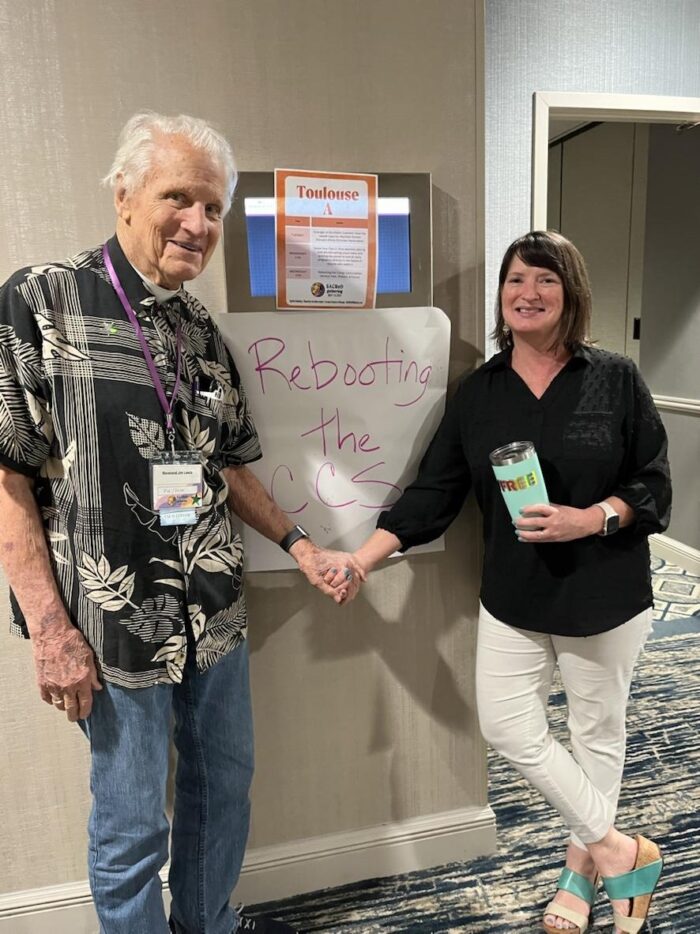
(338,574)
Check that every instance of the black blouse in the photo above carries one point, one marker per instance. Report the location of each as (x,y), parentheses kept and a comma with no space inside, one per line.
(597,434)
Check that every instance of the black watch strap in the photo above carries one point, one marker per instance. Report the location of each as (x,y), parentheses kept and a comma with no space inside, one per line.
(296,533)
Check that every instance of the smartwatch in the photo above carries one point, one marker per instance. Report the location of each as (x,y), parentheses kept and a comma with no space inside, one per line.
(296,533)
(612,520)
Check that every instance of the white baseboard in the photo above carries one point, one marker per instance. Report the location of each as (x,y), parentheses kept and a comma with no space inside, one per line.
(675,552)
(288,869)
(322,862)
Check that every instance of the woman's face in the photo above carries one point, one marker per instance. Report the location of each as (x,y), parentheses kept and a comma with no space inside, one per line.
(532,301)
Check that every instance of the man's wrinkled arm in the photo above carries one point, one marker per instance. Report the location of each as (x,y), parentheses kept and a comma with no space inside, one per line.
(24,552)
(63,660)
(249,500)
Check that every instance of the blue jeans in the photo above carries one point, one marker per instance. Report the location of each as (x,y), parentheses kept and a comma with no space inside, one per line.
(129,733)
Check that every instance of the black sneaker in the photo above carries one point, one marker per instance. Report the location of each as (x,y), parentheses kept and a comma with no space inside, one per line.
(262,925)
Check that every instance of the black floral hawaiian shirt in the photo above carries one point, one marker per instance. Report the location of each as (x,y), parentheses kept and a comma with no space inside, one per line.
(79,414)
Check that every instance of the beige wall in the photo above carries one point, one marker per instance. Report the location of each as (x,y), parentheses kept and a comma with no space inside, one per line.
(363,716)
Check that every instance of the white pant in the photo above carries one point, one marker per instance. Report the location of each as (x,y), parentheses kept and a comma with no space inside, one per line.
(514,671)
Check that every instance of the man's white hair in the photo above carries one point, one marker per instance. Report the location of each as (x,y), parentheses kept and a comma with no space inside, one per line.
(139,140)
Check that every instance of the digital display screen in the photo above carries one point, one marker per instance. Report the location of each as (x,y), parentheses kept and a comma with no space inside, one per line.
(393,245)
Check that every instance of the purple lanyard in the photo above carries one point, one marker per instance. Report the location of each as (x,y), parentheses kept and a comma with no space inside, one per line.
(166,404)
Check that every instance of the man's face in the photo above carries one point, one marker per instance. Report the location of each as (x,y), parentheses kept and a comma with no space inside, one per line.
(170,226)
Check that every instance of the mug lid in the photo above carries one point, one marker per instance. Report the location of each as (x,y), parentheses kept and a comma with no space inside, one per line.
(512,453)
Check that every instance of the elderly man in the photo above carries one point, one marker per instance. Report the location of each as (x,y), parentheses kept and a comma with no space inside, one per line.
(124,439)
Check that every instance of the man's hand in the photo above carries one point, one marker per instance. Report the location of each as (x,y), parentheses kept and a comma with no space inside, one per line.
(376,548)
(65,668)
(346,587)
(338,574)
(251,502)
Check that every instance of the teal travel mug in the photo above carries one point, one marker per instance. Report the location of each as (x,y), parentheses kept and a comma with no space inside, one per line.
(519,476)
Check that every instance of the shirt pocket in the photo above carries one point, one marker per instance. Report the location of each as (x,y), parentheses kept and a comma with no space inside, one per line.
(219,415)
(589,436)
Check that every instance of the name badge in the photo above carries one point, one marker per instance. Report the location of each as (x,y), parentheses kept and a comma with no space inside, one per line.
(177,486)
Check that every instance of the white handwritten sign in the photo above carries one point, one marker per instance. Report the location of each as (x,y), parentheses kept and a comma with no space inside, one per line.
(345,404)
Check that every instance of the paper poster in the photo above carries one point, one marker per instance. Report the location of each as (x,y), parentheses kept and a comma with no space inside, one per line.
(326,239)
(345,405)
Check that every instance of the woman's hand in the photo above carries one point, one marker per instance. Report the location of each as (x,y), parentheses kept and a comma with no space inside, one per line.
(548,522)
(335,573)
(346,580)
(344,577)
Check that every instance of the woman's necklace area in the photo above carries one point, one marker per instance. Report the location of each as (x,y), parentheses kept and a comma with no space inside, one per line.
(539,371)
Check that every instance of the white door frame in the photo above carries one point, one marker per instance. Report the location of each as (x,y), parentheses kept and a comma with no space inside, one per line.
(622,108)
(627,108)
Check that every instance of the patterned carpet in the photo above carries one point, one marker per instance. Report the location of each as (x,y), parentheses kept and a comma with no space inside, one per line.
(506,892)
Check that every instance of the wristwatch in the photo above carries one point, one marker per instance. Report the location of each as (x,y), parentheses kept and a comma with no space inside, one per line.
(296,533)
(612,520)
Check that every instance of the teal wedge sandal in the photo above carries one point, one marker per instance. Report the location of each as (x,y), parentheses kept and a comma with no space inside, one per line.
(638,886)
(574,882)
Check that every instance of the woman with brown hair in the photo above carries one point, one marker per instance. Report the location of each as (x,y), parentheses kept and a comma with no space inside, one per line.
(567,584)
